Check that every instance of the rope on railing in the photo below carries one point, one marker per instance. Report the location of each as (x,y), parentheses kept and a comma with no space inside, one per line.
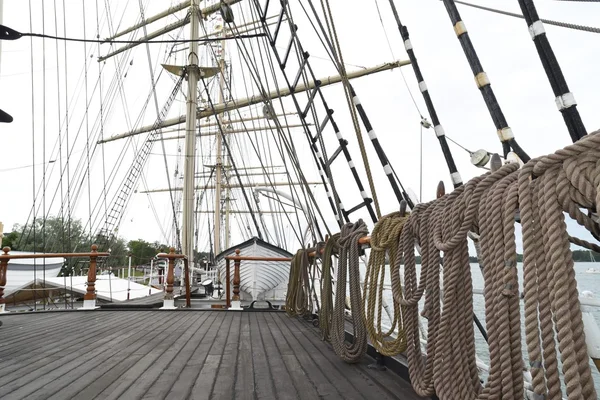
(384,241)
(349,265)
(543,190)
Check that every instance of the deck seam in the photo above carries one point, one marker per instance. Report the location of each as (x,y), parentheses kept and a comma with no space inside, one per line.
(101,329)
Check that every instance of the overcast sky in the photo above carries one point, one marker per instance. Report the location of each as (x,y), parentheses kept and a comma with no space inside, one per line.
(503,44)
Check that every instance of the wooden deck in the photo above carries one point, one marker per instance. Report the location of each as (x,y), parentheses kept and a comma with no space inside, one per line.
(179,355)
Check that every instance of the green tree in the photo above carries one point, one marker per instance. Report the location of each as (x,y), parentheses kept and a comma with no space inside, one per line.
(142,251)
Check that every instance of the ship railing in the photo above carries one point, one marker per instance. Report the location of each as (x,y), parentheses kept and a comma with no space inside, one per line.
(589,305)
(89,299)
(169,299)
(234,303)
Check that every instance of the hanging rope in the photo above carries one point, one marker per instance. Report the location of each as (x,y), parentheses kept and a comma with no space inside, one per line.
(384,240)
(297,300)
(545,189)
(326,313)
(348,266)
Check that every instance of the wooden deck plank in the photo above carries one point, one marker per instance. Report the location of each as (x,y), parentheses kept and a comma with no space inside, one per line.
(244,384)
(183,386)
(18,338)
(55,349)
(361,380)
(316,366)
(181,354)
(151,351)
(112,369)
(170,374)
(293,366)
(193,322)
(264,384)
(223,388)
(50,369)
(284,388)
(41,338)
(206,379)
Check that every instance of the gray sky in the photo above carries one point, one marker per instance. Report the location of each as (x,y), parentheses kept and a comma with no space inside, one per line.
(503,44)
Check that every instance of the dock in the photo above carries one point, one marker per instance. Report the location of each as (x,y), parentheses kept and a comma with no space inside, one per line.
(182,354)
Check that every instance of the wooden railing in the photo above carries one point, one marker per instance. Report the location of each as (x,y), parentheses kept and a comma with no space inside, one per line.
(168,299)
(237,259)
(89,300)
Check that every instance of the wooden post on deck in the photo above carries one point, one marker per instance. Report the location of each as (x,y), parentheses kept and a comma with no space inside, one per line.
(227,284)
(236,304)
(3,267)
(169,302)
(89,300)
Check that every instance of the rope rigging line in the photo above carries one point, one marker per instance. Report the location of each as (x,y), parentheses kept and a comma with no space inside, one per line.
(11,34)
(583,28)
(305,70)
(225,142)
(288,143)
(155,97)
(339,61)
(544,189)
(256,77)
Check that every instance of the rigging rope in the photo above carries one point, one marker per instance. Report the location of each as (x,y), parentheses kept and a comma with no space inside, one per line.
(337,54)
(584,28)
(384,240)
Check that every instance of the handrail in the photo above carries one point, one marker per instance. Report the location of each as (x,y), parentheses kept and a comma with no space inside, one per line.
(236,274)
(365,240)
(250,258)
(89,299)
(168,301)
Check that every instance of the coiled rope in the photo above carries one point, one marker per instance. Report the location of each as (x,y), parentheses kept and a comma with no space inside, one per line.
(384,240)
(326,313)
(542,190)
(349,266)
(297,300)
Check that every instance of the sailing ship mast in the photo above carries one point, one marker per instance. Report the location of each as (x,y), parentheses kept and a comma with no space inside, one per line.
(219,159)
(190,134)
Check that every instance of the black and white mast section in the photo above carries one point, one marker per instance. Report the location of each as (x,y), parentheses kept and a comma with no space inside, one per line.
(565,101)
(437,126)
(483,83)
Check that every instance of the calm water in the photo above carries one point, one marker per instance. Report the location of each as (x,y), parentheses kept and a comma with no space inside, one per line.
(586,281)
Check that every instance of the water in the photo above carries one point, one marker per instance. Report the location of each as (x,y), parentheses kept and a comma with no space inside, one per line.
(585,281)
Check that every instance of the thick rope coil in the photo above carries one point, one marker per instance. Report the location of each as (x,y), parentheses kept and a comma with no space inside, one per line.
(297,300)
(326,313)
(349,266)
(542,192)
(545,189)
(384,240)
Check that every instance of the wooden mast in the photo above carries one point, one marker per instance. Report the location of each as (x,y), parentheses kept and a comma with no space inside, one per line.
(190,135)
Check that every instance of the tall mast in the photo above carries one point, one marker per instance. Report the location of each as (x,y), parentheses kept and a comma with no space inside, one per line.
(190,135)
(219,160)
